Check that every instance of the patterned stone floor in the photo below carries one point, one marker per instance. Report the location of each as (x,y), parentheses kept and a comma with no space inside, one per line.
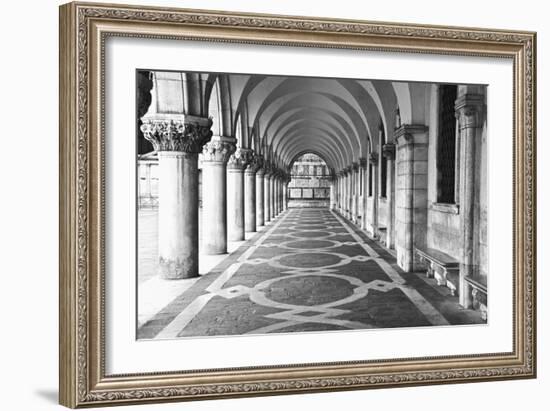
(309,270)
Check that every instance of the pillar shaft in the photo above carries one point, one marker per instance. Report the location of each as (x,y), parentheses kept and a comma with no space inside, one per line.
(178,139)
(375,199)
(235,193)
(250,201)
(178,215)
(285,196)
(341,193)
(272,197)
(276,196)
(334,194)
(411,193)
(235,204)
(363,169)
(355,203)
(260,198)
(267,195)
(214,194)
(280,195)
(389,153)
(468,109)
(351,194)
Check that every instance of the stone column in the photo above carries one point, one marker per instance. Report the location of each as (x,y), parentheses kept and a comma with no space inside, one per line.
(281,193)
(338,192)
(178,141)
(235,193)
(281,184)
(260,198)
(285,194)
(348,192)
(267,191)
(332,193)
(214,194)
(341,192)
(250,193)
(373,158)
(355,191)
(276,182)
(345,193)
(272,211)
(411,196)
(363,169)
(350,196)
(388,151)
(277,190)
(469,110)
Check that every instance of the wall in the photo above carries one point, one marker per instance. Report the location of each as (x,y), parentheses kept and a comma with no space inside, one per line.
(310,184)
(28,212)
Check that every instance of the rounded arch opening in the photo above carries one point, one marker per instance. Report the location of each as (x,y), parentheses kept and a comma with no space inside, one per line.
(309,184)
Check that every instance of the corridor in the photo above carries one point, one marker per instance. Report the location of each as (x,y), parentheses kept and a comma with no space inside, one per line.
(307,270)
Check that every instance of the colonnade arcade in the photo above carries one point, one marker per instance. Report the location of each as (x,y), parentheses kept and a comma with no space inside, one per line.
(382,142)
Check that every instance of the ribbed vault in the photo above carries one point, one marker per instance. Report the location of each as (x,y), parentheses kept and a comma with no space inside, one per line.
(281,117)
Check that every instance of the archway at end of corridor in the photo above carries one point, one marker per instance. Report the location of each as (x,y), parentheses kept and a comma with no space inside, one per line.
(309,184)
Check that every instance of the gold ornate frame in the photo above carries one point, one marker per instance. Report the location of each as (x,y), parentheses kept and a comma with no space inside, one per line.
(83,30)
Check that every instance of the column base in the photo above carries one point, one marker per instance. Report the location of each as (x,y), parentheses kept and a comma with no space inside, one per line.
(176,270)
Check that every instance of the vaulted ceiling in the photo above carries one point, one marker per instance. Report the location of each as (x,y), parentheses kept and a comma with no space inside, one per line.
(281,117)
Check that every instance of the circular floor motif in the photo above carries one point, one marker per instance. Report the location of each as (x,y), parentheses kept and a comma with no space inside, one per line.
(310,234)
(309,244)
(309,227)
(309,260)
(308,290)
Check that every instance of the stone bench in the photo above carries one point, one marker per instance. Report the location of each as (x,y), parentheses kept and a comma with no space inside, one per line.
(478,289)
(441,266)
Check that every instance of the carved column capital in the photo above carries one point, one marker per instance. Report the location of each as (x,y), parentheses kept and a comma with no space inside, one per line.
(219,149)
(363,162)
(355,166)
(268,170)
(186,134)
(373,158)
(240,158)
(388,151)
(255,164)
(260,172)
(407,132)
(469,110)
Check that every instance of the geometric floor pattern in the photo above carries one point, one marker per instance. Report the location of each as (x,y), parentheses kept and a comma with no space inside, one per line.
(308,270)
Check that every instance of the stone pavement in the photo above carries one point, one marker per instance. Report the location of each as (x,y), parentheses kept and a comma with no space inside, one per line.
(308,270)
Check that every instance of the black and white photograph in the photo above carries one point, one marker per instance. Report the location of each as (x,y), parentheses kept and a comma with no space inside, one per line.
(281,204)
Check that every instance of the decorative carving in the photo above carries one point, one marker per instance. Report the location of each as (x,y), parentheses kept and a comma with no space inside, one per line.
(260,172)
(388,151)
(397,119)
(479,302)
(362,162)
(405,133)
(218,151)
(268,169)
(176,135)
(256,163)
(85,13)
(468,110)
(355,166)
(240,158)
(373,158)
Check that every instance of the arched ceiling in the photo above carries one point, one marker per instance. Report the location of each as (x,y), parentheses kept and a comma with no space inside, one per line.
(338,119)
